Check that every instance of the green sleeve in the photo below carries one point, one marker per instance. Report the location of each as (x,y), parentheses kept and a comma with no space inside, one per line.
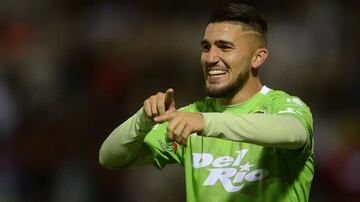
(162,151)
(285,105)
(124,146)
(262,129)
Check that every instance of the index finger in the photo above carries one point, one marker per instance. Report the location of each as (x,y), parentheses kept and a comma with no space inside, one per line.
(169,98)
(164,117)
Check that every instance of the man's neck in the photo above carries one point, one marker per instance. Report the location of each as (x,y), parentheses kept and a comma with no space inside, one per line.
(247,91)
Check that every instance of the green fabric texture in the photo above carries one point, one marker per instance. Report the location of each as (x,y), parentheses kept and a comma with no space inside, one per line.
(225,167)
(123,148)
(286,132)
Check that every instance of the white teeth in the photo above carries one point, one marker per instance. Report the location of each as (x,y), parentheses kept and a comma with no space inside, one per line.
(217,72)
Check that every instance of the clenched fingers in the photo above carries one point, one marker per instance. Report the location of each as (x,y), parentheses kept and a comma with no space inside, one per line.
(185,134)
(174,129)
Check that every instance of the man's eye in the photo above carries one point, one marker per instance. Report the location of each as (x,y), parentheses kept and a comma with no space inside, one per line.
(225,48)
(206,48)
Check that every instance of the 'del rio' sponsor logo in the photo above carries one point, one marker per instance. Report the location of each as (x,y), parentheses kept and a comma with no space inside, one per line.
(228,171)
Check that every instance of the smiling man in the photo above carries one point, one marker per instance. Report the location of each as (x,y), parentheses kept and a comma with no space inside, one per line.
(243,142)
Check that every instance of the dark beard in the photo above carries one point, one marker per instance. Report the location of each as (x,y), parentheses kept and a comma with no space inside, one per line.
(230,90)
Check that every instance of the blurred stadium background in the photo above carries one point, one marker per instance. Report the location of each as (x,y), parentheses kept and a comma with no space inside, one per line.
(71,71)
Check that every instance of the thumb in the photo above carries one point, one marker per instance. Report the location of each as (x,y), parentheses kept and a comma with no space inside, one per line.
(169,99)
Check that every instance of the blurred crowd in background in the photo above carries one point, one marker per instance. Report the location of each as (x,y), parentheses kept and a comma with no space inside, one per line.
(71,71)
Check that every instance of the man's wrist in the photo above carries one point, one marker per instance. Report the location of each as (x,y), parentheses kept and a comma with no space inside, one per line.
(144,120)
(207,120)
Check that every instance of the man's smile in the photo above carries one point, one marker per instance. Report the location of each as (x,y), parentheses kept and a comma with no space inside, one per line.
(216,74)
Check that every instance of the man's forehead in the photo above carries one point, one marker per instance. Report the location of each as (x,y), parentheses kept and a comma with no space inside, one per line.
(227,30)
(223,28)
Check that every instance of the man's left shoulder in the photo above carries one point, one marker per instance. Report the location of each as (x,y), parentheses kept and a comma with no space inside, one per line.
(282,96)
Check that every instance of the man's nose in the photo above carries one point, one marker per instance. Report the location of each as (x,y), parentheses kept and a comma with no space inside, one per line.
(213,55)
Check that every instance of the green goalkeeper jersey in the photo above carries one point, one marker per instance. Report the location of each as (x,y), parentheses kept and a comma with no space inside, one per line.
(218,169)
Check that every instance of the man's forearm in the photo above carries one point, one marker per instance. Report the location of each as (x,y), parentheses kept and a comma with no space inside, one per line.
(267,130)
(123,145)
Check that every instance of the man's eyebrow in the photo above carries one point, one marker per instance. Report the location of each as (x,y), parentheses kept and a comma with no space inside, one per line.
(218,42)
(204,41)
(223,42)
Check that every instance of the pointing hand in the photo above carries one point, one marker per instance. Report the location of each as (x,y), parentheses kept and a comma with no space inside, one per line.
(160,103)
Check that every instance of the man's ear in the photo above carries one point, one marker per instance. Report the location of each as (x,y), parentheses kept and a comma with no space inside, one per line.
(259,57)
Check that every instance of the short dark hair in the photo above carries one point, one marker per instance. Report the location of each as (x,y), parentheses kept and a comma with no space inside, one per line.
(241,13)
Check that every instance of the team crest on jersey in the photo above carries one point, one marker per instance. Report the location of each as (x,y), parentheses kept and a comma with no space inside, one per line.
(168,146)
(228,170)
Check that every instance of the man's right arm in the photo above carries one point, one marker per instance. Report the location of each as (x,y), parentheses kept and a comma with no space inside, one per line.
(124,147)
